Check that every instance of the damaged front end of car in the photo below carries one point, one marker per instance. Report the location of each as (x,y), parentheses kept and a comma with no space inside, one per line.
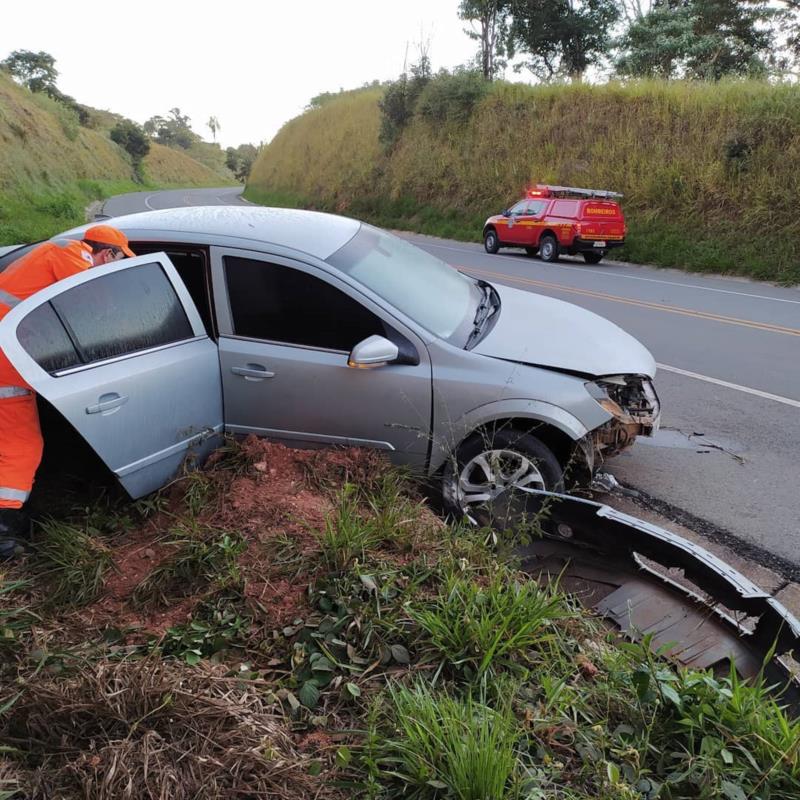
(635,410)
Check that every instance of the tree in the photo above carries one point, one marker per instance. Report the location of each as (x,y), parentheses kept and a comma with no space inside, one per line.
(132,138)
(705,39)
(213,124)
(171,132)
(491,17)
(562,37)
(239,160)
(400,98)
(37,71)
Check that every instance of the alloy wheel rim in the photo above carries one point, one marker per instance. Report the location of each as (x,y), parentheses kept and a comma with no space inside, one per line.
(492,473)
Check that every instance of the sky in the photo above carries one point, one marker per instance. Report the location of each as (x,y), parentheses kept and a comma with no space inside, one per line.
(253,65)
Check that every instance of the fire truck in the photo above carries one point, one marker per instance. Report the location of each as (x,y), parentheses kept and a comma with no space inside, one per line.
(556,220)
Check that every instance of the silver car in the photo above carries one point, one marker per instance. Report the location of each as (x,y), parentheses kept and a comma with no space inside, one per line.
(314,329)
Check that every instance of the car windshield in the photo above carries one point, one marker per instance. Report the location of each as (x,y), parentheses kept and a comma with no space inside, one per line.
(423,287)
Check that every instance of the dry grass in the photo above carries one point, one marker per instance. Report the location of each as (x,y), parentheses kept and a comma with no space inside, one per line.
(152,729)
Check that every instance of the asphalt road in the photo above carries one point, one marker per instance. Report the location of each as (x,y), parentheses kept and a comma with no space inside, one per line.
(729,378)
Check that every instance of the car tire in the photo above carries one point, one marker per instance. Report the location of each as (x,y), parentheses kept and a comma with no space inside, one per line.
(531,251)
(548,248)
(490,242)
(490,461)
(592,258)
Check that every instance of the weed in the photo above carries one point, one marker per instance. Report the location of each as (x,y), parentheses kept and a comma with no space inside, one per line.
(73,560)
(215,629)
(481,630)
(201,556)
(15,620)
(348,533)
(442,744)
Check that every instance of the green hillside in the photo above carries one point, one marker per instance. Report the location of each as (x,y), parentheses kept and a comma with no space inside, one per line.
(51,167)
(710,172)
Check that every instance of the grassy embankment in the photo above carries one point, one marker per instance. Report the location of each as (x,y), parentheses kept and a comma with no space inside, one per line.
(297,624)
(710,172)
(51,168)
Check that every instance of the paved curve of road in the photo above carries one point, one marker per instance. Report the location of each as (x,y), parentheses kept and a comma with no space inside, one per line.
(729,378)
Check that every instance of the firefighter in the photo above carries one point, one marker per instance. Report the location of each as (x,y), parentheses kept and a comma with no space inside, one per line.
(20,437)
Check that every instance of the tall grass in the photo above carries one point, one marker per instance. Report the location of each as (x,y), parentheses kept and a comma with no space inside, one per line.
(451,747)
(710,172)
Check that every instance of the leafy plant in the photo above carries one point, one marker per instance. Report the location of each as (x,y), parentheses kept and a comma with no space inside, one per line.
(213,631)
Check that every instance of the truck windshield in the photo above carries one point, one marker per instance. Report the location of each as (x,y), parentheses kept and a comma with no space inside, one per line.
(423,287)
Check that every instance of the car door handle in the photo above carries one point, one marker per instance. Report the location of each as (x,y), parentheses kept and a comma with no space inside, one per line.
(253,372)
(107,402)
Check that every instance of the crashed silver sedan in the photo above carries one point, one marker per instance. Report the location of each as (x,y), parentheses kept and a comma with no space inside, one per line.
(315,329)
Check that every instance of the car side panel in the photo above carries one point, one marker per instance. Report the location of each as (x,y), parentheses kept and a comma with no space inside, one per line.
(471,390)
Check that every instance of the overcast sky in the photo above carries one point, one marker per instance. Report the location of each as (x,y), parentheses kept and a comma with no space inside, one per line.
(254,65)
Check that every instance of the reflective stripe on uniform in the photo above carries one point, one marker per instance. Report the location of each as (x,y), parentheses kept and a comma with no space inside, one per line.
(13,391)
(7,493)
(9,299)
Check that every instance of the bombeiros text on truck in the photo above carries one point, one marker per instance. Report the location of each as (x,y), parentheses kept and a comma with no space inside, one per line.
(555,220)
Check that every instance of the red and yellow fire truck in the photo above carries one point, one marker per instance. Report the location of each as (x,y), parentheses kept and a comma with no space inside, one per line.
(552,220)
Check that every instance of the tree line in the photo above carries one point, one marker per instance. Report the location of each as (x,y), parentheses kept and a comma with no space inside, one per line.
(695,39)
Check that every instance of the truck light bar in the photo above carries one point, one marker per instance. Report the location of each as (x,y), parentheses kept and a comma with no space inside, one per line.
(546,190)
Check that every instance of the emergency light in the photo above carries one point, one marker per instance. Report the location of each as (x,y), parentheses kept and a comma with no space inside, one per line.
(546,190)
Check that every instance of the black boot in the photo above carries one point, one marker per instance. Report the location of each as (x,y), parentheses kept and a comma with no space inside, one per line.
(15,531)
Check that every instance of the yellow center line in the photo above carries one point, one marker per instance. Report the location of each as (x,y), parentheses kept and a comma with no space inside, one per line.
(746,323)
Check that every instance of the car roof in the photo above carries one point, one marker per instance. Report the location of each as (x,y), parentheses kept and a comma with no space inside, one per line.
(311,232)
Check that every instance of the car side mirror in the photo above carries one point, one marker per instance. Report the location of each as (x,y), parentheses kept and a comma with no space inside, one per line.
(374,351)
(506,213)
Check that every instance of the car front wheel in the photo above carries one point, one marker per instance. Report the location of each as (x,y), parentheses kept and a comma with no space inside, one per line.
(485,481)
(490,242)
(548,248)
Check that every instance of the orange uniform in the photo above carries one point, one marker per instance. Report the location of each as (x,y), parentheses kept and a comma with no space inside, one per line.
(20,437)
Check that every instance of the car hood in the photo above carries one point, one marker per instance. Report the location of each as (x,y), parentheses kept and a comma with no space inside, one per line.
(541,331)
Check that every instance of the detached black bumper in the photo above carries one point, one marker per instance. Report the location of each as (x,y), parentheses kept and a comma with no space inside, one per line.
(593,246)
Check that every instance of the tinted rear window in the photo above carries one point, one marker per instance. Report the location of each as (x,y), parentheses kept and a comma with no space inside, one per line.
(112,315)
(46,341)
(123,312)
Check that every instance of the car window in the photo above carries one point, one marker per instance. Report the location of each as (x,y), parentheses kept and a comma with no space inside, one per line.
(535,207)
(565,208)
(112,315)
(43,336)
(519,208)
(191,264)
(281,304)
(421,286)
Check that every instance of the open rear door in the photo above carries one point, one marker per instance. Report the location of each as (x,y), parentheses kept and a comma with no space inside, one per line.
(122,353)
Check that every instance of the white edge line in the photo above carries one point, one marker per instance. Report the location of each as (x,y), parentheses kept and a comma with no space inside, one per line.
(746,389)
(147,202)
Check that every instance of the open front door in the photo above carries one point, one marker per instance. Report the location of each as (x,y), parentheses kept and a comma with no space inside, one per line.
(122,353)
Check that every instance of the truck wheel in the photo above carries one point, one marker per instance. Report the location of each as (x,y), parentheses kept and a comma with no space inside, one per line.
(483,481)
(592,258)
(548,248)
(490,242)
(531,251)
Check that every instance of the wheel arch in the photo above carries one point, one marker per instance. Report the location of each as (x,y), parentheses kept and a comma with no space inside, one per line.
(557,428)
